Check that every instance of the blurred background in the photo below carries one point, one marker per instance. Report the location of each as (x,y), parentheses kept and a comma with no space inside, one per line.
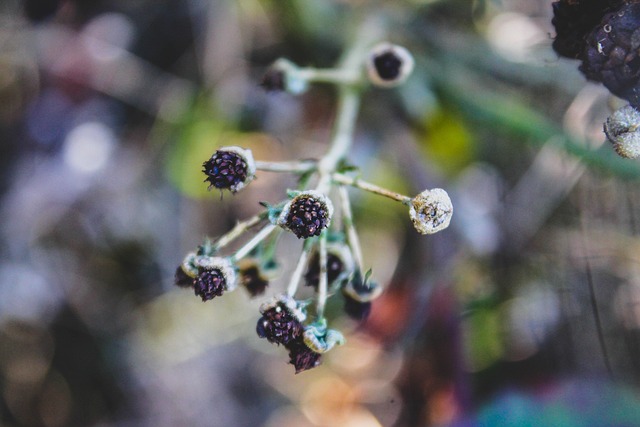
(525,312)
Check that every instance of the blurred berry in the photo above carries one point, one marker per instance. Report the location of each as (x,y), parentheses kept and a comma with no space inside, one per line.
(335,267)
(273,80)
(302,357)
(355,309)
(389,65)
(210,283)
(251,277)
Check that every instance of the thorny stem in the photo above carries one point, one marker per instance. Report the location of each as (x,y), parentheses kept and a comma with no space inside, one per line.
(297,273)
(237,231)
(372,188)
(248,247)
(301,166)
(323,280)
(352,235)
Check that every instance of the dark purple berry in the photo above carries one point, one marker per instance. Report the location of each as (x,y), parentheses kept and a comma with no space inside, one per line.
(574,20)
(307,216)
(387,65)
(253,281)
(209,283)
(302,357)
(355,309)
(273,80)
(612,53)
(278,325)
(226,170)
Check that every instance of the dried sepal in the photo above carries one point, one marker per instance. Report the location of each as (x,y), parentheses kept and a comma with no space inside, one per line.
(622,130)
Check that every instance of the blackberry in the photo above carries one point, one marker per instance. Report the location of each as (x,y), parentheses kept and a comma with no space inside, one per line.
(612,53)
(281,321)
(229,168)
(307,214)
(302,357)
(574,20)
(215,275)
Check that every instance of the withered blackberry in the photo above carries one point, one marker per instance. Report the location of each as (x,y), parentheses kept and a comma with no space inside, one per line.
(574,20)
(612,53)
(251,277)
(302,357)
(307,214)
(273,80)
(229,168)
(281,321)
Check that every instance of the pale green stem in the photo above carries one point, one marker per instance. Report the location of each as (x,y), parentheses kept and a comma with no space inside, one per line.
(329,75)
(293,167)
(238,230)
(352,235)
(372,188)
(255,241)
(323,281)
(297,273)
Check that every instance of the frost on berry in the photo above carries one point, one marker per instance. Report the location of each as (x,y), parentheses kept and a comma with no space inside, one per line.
(431,211)
(307,214)
(229,168)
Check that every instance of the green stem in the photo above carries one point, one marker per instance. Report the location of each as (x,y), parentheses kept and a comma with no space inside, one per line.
(302,166)
(352,235)
(323,281)
(372,188)
(238,230)
(255,241)
(297,273)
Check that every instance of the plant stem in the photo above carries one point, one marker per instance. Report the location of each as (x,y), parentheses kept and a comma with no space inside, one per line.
(331,75)
(352,235)
(297,273)
(248,247)
(372,188)
(238,230)
(323,279)
(293,167)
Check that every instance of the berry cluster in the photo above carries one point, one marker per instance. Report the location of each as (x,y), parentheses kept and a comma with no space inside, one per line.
(330,261)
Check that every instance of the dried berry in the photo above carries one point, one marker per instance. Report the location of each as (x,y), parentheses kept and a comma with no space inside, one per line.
(273,80)
(389,65)
(355,309)
(302,357)
(281,321)
(229,168)
(251,277)
(307,214)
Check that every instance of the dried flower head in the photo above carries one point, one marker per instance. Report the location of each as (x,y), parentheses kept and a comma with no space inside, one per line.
(281,321)
(307,214)
(215,276)
(431,211)
(230,168)
(389,65)
(622,130)
(340,264)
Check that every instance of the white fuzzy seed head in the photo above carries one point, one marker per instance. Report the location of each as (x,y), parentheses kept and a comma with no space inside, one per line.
(431,211)
(621,129)
(224,265)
